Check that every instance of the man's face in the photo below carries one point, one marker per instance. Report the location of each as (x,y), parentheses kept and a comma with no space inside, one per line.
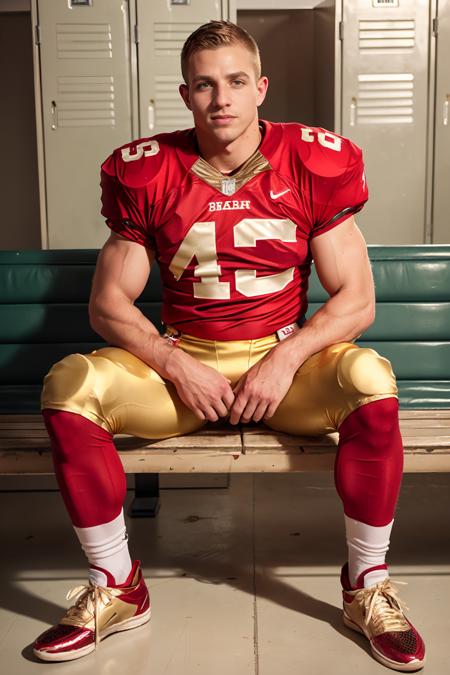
(223,92)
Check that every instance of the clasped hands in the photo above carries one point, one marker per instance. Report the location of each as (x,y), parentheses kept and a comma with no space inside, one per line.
(254,397)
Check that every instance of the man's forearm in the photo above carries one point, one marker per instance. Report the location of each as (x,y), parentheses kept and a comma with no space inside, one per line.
(341,319)
(123,325)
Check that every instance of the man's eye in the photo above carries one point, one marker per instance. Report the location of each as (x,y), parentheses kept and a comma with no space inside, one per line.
(238,82)
(203,85)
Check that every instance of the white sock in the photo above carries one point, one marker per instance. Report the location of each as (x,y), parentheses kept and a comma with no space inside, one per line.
(106,546)
(367,547)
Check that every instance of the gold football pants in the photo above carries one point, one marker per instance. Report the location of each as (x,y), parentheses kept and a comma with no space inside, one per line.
(119,392)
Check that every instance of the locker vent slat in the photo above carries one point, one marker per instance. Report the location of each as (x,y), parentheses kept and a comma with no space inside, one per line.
(170,110)
(168,38)
(83,41)
(385,98)
(392,36)
(85,101)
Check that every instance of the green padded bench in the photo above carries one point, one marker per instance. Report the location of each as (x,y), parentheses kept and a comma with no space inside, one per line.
(43,317)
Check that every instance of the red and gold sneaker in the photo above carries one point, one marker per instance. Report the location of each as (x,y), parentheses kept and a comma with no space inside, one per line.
(97,612)
(377,612)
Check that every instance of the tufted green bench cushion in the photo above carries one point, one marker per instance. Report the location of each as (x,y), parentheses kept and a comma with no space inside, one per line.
(43,317)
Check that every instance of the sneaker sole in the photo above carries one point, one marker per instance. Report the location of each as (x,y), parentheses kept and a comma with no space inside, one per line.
(128,624)
(389,663)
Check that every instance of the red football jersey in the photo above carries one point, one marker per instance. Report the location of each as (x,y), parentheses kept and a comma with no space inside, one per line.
(233,250)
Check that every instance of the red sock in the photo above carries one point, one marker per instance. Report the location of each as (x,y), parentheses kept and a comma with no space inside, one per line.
(88,469)
(369,462)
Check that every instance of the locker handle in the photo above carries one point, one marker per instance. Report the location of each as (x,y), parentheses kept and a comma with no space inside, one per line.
(151,115)
(445,116)
(54,117)
(353,111)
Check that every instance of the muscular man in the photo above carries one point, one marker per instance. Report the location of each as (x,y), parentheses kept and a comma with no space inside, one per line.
(234,210)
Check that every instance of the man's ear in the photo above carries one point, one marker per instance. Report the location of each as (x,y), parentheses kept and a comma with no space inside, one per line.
(184,93)
(262,86)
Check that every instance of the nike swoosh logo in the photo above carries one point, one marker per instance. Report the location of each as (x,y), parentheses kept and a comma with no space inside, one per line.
(278,194)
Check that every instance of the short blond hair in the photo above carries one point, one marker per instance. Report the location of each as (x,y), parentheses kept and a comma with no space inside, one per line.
(216,34)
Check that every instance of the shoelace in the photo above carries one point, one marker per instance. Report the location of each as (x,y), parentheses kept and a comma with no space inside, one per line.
(89,598)
(384,606)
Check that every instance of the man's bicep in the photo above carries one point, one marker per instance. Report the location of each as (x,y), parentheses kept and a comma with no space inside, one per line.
(341,260)
(123,267)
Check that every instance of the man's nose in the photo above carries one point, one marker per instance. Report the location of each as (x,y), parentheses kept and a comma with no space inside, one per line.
(221,96)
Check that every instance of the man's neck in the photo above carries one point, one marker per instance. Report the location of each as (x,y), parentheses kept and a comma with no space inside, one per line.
(228,158)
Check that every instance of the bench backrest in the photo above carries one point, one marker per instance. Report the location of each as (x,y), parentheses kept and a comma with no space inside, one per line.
(43,317)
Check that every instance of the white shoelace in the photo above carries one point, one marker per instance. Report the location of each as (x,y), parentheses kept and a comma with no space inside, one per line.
(384,606)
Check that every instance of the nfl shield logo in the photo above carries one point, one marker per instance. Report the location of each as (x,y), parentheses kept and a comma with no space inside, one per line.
(228,186)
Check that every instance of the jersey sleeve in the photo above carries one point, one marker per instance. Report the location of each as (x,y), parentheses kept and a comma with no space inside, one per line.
(126,198)
(337,181)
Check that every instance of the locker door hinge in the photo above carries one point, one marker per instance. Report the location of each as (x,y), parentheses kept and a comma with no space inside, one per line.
(136,33)
(435,26)
(341,30)
(37,34)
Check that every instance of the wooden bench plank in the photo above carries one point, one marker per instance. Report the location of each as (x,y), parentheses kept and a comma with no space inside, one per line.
(415,431)
(267,442)
(226,440)
(24,448)
(408,416)
(425,413)
(252,442)
(153,461)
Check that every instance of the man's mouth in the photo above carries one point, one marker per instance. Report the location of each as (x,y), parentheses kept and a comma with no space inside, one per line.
(223,117)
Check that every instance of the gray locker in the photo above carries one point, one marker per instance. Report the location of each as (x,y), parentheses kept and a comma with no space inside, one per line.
(441,202)
(384,109)
(163,26)
(86,110)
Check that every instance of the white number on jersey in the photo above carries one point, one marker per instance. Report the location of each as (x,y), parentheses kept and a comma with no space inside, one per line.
(200,242)
(327,140)
(146,149)
(246,233)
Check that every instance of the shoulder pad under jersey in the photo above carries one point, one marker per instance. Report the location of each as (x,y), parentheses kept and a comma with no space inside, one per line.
(137,163)
(140,162)
(323,153)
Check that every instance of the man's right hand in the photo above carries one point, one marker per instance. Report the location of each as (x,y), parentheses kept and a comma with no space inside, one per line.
(203,389)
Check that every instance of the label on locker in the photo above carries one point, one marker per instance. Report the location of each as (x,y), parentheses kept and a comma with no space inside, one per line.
(385,3)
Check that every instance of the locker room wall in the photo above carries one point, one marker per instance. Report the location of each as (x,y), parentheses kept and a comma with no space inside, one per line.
(15,5)
(18,173)
(279,34)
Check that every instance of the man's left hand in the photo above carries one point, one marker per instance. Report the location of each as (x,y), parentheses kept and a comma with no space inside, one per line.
(261,389)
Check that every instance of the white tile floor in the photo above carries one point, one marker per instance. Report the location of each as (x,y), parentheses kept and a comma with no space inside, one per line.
(243,580)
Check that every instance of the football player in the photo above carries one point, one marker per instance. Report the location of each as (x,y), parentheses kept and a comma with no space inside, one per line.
(234,211)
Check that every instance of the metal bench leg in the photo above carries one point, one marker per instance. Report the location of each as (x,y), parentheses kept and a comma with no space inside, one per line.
(146,496)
